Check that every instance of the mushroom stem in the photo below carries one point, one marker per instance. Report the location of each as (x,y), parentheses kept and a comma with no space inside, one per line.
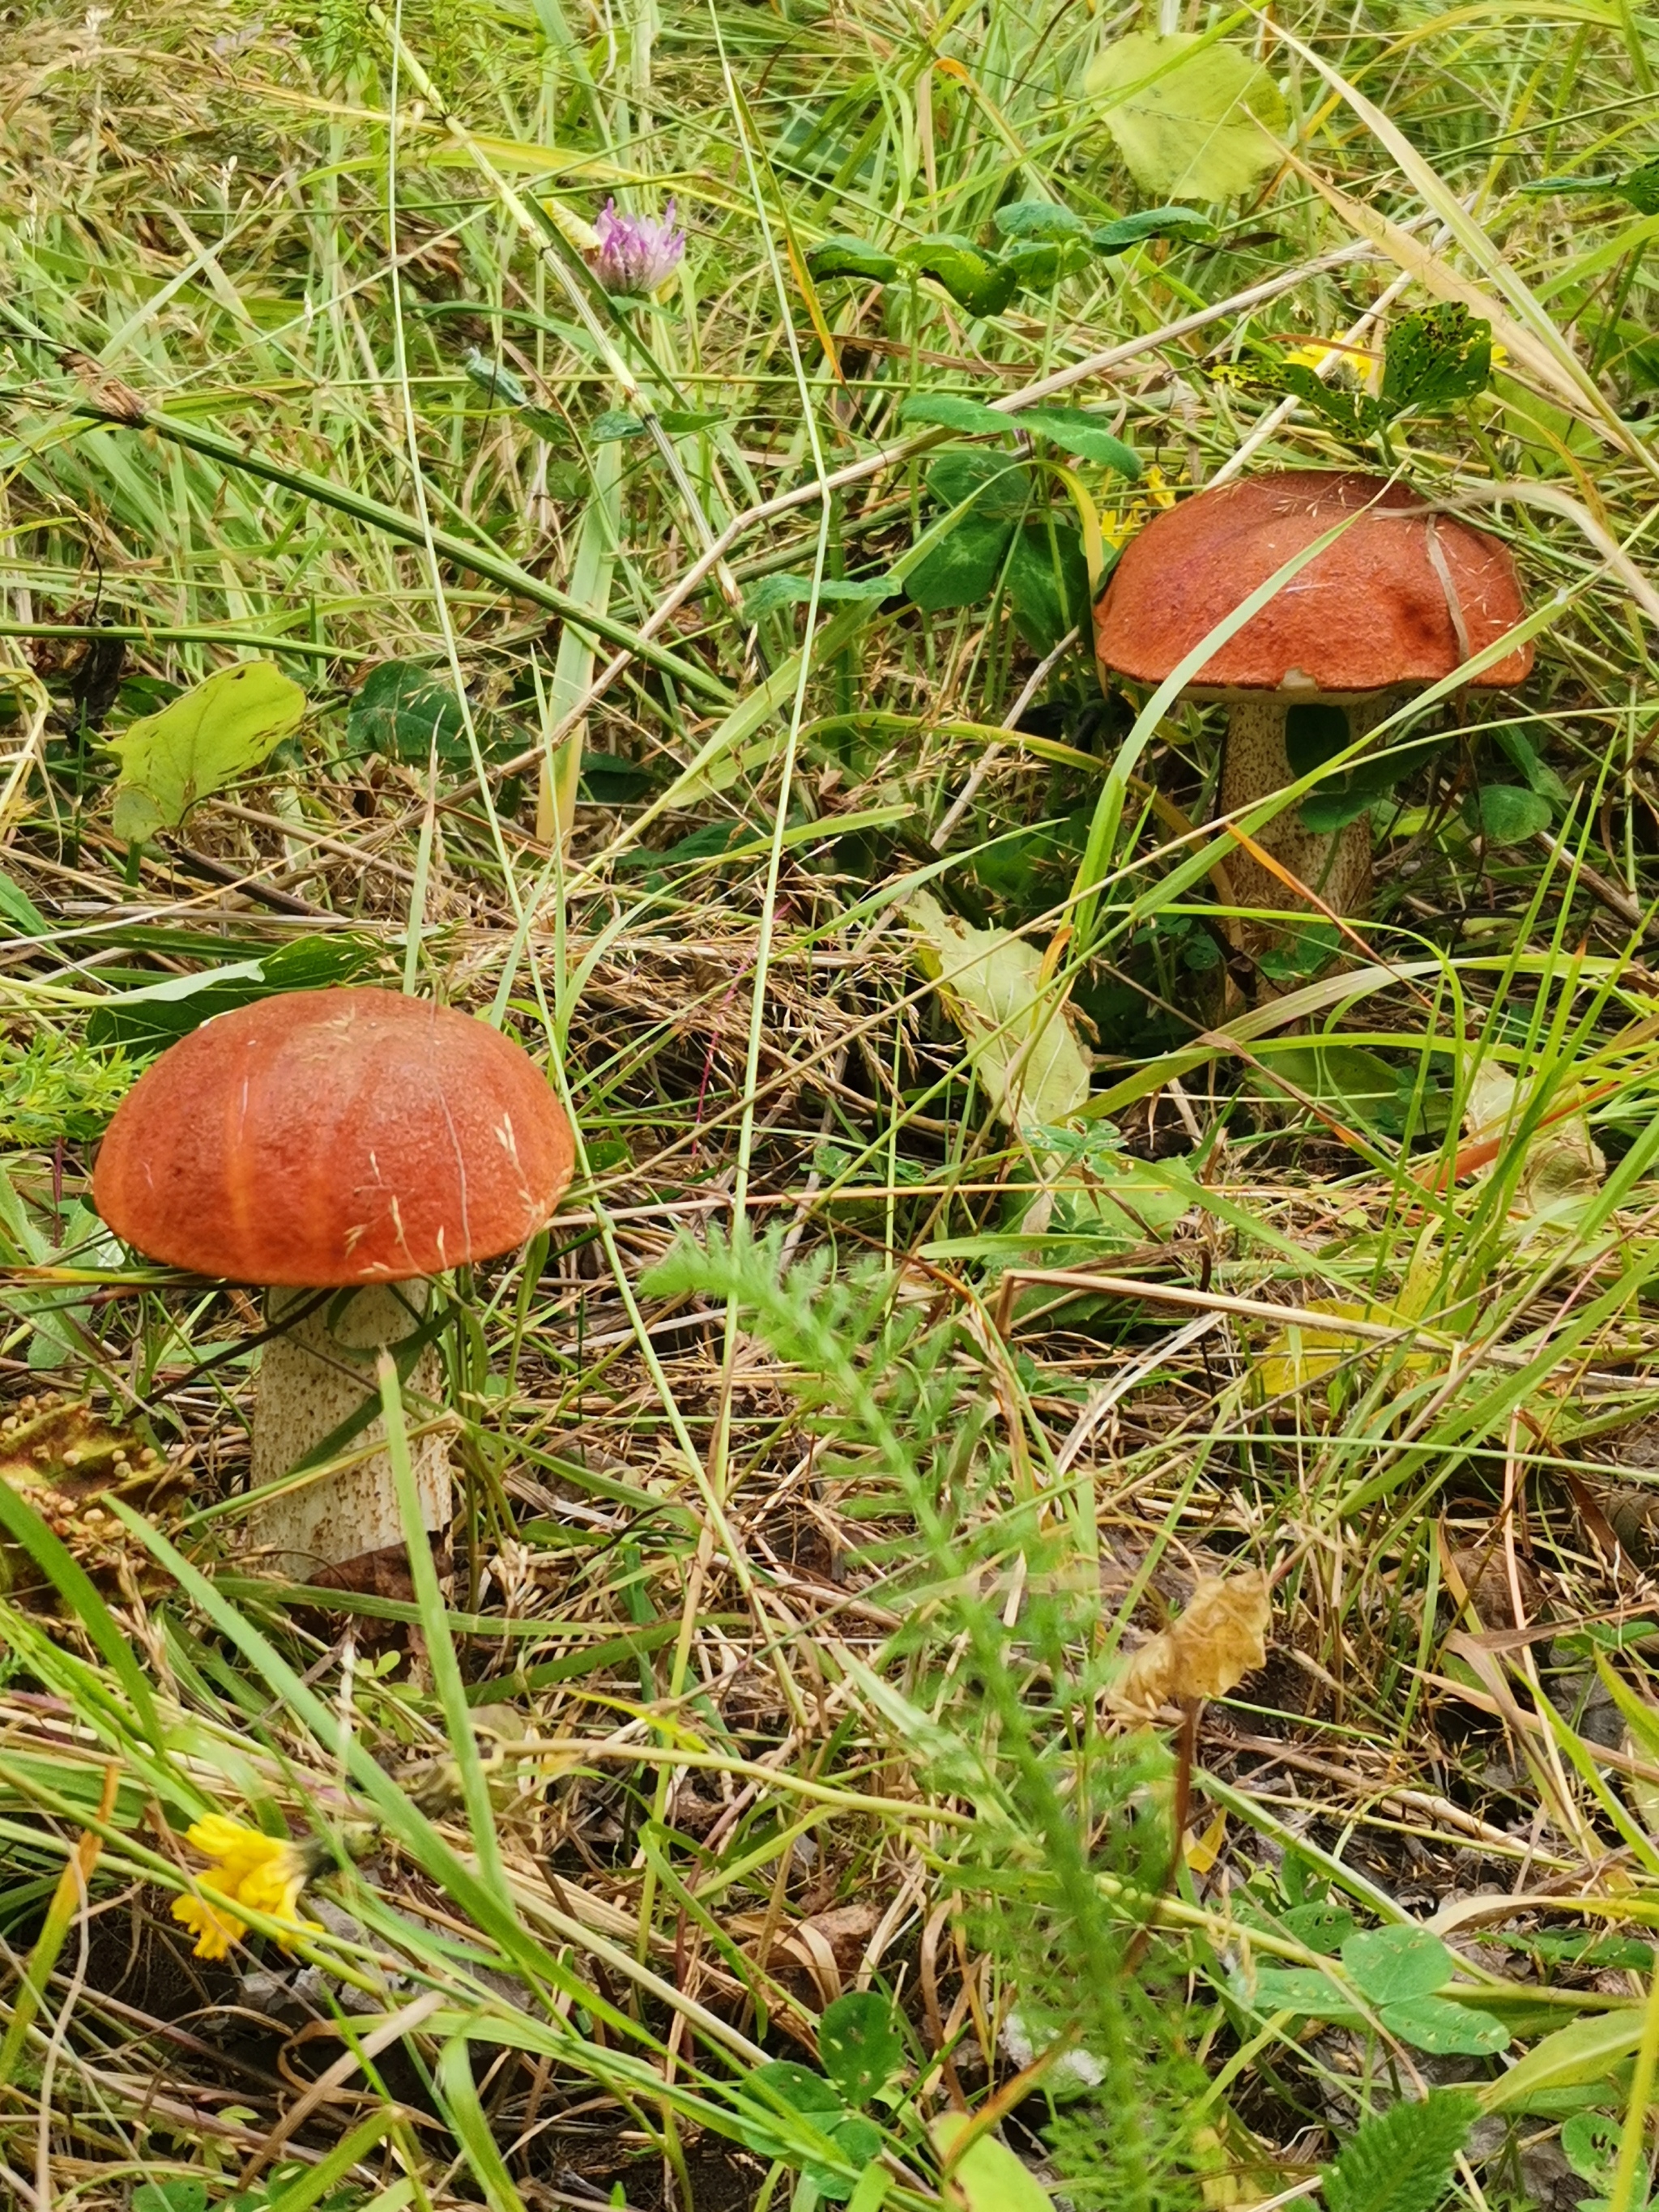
(1336,865)
(314,1378)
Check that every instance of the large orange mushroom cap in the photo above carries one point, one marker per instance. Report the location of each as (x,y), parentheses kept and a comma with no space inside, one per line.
(324,1138)
(1375,611)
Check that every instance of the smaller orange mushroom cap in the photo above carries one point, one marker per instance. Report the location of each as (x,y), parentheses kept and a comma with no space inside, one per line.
(324,1138)
(1379,611)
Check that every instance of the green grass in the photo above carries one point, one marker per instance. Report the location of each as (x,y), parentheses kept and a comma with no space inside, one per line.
(808,1520)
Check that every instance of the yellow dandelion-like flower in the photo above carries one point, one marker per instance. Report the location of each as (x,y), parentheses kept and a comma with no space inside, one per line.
(1118,525)
(266,1873)
(1353,366)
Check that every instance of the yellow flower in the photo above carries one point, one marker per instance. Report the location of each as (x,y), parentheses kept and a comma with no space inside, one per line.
(264,1873)
(1119,525)
(1354,367)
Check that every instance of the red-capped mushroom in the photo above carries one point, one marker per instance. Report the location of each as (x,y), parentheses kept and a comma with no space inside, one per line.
(340,1139)
(1402,598)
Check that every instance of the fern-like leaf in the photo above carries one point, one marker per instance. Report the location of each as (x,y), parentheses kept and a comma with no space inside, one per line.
(1401,2161)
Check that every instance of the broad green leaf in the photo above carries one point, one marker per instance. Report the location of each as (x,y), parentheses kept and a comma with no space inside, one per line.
(1349,1077)
(1506,814)
(851,256)
(1433,358)
(178,2195)
(683,420)
(1641,188)
(1038,264)
(1302,1990)
(1587,2051)
(1118,236)
(1435,2025)
(991,483)
(1040,219)
(19,910)
(962,568)
(784,2081)
(859,2141)
(974,279)
(1020,1038)
(1390,1965)
(1589,2143)
(1323,1928)
(1047,581)
(1075,431)
(613,423)
(230,723)
(402,711)
(1190,114)
(1402,2161)
(955,410)
(988,2177)
(859,2045)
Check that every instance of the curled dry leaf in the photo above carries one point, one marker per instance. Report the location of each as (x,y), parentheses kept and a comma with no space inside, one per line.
(1564,1164)
(1220,1638)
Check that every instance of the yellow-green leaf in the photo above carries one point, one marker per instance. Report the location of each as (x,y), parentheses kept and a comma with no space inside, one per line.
(226,725)
(1018,1030)
(1191,115)
(988,2177)
(1587,2051)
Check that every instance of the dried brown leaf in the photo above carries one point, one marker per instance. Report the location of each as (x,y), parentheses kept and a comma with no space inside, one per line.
(1219,1639)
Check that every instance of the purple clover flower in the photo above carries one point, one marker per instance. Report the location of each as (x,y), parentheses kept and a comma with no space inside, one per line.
(636,253)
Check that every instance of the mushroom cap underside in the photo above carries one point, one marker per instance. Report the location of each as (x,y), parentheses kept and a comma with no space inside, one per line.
(1402,598)
(335,1137)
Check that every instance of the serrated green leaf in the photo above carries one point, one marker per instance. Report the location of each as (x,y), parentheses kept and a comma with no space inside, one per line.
(1402,2161)
(230,723)
(852,256)
(1190,114)
(860,2046)
(1391,1965)
(1435,2025)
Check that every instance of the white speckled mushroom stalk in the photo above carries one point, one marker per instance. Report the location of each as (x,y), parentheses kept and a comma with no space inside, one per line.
(313,1380)
(1337,866)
